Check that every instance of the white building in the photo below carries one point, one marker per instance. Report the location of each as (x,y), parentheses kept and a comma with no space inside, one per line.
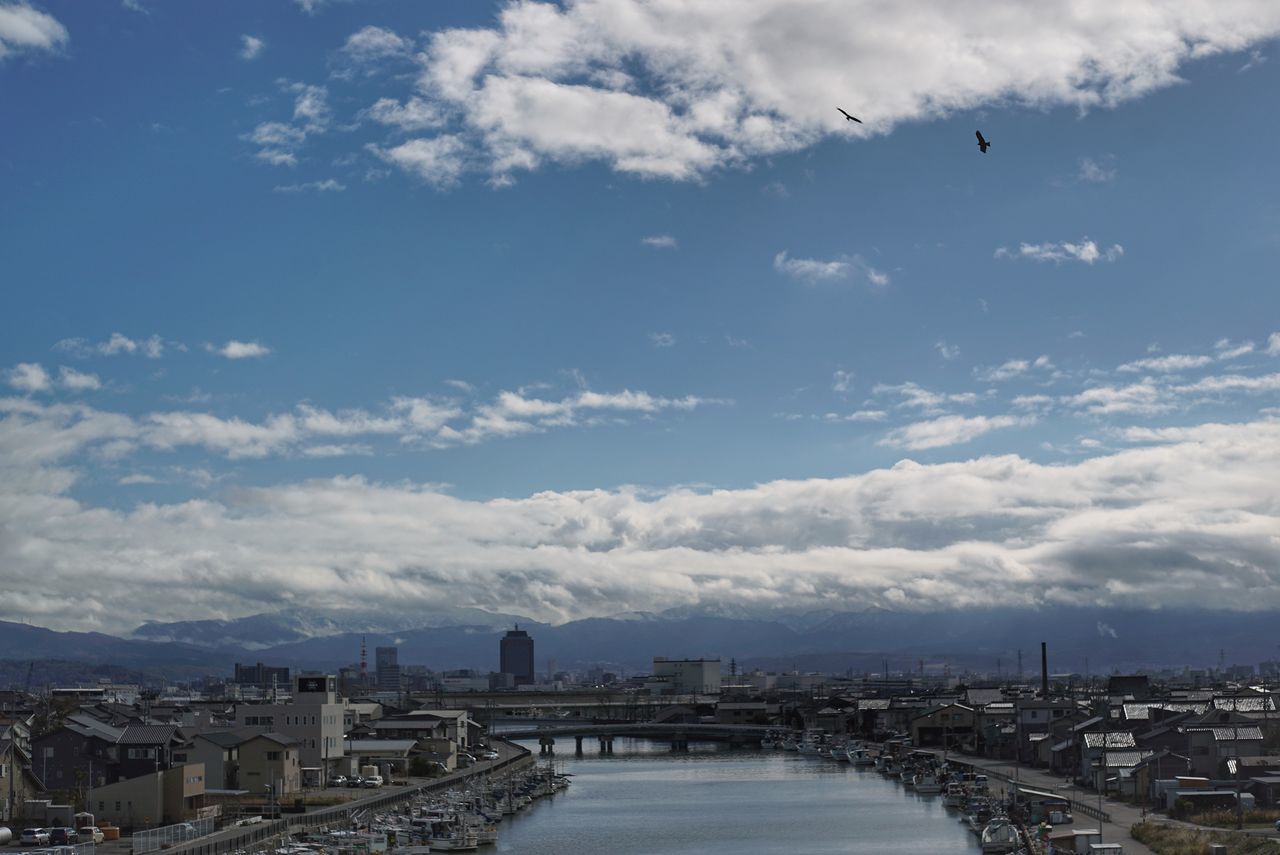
(688,676)
(315,716)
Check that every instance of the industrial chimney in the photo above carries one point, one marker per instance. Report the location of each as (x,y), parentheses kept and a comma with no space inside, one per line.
(1044,670)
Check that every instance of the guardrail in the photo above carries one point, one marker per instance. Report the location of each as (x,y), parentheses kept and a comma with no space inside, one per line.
(229,840)
(153,839)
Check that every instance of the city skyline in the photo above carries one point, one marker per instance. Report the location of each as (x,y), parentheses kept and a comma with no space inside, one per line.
(511,306)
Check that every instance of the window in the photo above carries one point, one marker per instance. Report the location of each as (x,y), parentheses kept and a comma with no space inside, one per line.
(118,805)
(141,753)
(273,755)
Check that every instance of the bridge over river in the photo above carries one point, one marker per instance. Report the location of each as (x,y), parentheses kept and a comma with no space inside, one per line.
(679,734)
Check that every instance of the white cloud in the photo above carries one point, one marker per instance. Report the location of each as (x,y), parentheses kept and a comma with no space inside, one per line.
(414,114)
(28,377)
(675,90)
(329,185)
(251,47)
(1226,349)
(660,242)
(840,380)
(1144,397)
(1012,368)
(77,381)
(24,29)
(278,143)
(915,396)
(1256,58)
(152,347)
(240,349)
(118,343)
(435,160)
(372,44)
(662,339)
(950,430)
(949,352)
(810,269)
(311,107)
(1233,383)
(1273,344)
(1086,251)
(1187,519)
(1167,364)
(1096,173)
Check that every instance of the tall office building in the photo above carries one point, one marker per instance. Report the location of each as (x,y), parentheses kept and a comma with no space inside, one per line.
(516,649)
(387,666)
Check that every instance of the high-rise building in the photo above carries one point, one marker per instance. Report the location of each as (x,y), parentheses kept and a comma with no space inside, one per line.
(516,649)
(262,676)
(387,663)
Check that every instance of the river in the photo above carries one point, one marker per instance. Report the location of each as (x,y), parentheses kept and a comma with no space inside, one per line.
(645,799)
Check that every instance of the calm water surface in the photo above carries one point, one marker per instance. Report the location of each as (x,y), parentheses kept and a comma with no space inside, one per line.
(644,799)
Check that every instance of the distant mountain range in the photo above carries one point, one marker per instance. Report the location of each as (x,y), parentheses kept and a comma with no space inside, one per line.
(450,638)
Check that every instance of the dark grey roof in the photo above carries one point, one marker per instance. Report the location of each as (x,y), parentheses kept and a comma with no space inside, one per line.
(228,738)
(279,738)
(147,734)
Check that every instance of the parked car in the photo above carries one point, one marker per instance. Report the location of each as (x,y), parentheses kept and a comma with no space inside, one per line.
(465,760)
(355,781)
(490,755)
(90,834)
(62,836)
(35,837)
(372,781)
(338,781)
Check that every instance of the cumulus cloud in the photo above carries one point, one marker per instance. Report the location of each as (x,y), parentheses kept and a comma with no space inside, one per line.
(949,352)
(1189,521)
(251,47)
(660,241)
(1094,172)
(950,430)
(435,160)
(812,270)
(676,90)
(1012,368)
(240,349)
(328,185)
(28,377)
(1227,349)
(841,380)
(1086,251)
(277,142)
(662,339)
(77,381)
(25,29)
(415,114)
(373,44)
(1146,398)
(914,396)
(1273,344)
(1167,364)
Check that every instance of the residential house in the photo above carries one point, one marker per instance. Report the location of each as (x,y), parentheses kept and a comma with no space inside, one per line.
(157,798)
(270,760)
(948,726)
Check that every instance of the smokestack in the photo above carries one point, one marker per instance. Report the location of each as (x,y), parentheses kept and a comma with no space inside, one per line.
(1044,670)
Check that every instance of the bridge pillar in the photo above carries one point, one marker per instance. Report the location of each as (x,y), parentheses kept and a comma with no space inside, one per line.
(546,745)
(578,749)
(606,745)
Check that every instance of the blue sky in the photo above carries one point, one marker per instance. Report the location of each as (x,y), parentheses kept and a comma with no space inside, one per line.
(485,253)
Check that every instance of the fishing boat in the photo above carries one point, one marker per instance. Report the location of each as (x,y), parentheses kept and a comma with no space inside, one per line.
(999,835)
(953,796)
(927,783)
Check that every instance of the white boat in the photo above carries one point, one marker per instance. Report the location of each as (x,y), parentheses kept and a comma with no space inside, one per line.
(1000,835)
(928,783)
(859,756)
(790,744)
(953,796)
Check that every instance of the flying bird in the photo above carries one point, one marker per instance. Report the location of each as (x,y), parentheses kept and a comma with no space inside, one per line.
(983,145)
(847,116)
